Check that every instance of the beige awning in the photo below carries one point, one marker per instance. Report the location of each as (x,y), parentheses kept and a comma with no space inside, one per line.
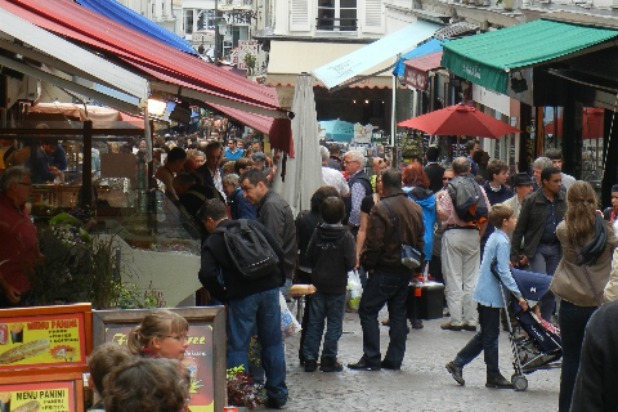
(288,59)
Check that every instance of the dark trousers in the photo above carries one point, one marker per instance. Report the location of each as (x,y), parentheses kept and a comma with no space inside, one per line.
(573,320)
(329,308)
(485,341)
(384,289)
(545,260)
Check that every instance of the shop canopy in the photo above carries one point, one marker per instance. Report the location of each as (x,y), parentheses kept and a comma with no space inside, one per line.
(432,46)
(100,78)
(345,68)
(171,72)
(487,59)
(113,10)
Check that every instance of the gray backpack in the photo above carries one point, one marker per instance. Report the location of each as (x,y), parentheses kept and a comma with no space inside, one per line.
(468,200)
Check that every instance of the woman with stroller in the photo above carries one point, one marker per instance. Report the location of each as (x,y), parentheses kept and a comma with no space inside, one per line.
(581,276)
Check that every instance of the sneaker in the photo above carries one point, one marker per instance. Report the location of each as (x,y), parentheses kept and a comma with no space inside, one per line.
(498,382)
(450,326)
(310,365)
(362,364)
(456,372)
(330,365)
(469,328)
(386,364)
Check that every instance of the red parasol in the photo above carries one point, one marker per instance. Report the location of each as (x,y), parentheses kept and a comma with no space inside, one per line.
(459,120)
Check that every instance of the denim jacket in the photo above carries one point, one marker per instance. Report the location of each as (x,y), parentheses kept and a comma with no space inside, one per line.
(487,290)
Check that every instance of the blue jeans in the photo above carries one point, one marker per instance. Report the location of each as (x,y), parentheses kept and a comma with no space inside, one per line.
(545,260)
(485,341)
(384,289)
(329,307)
(573,320)
(243,314)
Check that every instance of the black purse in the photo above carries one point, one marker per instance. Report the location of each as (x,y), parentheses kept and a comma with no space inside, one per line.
(410,256)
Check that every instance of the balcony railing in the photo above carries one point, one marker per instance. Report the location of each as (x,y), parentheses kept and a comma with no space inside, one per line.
(336,24)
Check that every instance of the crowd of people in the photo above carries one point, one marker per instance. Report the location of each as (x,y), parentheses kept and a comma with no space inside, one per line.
(547,223)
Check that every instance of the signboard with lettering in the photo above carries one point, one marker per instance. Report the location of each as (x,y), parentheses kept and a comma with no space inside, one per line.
(204,358)
(58,396)
(44,339)
(246,47)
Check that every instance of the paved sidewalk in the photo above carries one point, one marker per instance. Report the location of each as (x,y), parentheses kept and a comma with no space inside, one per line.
(423,384)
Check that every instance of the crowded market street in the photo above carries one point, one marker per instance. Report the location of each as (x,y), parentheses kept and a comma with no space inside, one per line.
(422,385)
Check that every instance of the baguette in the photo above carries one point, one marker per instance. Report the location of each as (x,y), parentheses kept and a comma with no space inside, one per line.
(24,351)
(31,406)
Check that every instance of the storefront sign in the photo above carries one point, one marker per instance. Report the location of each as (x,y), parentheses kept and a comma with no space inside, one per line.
(42,396)
(38,341)
(415,78)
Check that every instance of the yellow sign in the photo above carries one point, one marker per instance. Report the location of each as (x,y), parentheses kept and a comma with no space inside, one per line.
(41,340)
(46,396)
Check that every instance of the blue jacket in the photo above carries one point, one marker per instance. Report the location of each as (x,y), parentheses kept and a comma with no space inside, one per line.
(427,201)
(487,290)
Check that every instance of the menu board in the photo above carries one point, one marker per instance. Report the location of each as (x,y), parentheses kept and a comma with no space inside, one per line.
(33,339)
(198,359)
(204,358)
(57,396)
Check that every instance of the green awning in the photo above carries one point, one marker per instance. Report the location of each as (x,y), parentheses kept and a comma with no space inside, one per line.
(486,59)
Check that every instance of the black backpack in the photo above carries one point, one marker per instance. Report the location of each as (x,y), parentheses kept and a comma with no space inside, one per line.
(468,200)
(250,251)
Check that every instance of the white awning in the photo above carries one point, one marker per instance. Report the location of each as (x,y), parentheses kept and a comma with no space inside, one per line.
(122,87)
(307,56)
(378,53)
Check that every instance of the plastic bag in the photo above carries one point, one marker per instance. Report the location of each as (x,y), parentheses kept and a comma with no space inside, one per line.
(355,288)
(289,324)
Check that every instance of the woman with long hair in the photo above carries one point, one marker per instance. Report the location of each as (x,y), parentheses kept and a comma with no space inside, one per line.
(416,185)
(581,276)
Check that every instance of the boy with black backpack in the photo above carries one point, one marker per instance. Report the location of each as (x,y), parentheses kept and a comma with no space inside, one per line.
(332,255)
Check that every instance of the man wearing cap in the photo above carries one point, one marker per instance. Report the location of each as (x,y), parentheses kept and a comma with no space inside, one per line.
(522,184)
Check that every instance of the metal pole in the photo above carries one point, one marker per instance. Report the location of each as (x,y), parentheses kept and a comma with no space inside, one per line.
(217,42)
(394,108)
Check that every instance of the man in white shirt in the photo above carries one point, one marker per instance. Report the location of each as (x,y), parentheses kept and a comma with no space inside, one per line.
(332,177)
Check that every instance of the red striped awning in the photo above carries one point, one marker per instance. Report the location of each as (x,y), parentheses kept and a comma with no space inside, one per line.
(175,71)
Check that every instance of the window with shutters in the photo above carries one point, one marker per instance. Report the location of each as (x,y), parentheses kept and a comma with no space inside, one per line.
(337,15)
(299,15)
(373,17)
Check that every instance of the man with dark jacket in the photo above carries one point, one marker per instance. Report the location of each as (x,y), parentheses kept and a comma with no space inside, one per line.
(595,387)
(360,186)
(433,169)
(540,214)
(496,191)
(250,302)
(276,215)
(388,277)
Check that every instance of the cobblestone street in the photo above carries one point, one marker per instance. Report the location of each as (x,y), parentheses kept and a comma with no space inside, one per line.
(423,384)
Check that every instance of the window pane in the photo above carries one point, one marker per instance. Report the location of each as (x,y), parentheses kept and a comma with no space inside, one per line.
(347,4)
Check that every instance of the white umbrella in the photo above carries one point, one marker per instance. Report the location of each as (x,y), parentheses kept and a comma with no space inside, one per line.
(303,172)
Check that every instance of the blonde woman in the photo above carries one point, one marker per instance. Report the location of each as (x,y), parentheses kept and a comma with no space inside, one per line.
(581,276)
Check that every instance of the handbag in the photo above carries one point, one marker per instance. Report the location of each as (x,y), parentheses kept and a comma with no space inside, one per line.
(410,256)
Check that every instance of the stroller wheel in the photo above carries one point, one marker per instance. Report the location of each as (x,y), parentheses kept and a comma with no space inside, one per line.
(520,383)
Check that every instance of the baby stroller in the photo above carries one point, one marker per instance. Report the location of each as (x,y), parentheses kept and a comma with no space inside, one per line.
(540,347)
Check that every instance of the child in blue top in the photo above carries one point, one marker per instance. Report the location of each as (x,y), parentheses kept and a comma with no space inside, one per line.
(487,294)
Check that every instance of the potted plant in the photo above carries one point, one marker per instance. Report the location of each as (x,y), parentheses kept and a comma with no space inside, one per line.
(242,391)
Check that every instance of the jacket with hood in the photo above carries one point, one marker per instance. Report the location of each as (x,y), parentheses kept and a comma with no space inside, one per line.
(332,254)
(427,201)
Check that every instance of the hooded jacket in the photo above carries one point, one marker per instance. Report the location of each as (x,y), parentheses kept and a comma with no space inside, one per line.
(427,201)
(332,254)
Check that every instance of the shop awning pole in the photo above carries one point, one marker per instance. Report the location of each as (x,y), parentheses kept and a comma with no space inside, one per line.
(87,167)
